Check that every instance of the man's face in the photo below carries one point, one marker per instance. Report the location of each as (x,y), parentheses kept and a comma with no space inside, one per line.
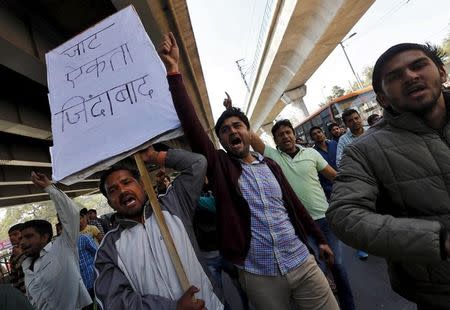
(166,182)
(411,82)
(32,242)
(285,139)
(83,222)
(125,194)
(15,237)
(92,215)
(354,122)
(336,131)
(318,136)
(235,137)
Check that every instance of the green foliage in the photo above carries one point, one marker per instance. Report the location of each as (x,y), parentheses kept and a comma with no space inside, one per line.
(45,210)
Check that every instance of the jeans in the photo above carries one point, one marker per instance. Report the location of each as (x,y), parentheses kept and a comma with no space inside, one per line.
(216,265)
(338,271)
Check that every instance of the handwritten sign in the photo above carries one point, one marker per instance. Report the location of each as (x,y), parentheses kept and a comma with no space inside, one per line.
(108,97)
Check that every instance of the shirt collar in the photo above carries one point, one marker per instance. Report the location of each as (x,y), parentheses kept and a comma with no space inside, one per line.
(258,159)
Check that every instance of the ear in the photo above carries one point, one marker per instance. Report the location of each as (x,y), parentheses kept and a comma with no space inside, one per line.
(442,74)
(382,100)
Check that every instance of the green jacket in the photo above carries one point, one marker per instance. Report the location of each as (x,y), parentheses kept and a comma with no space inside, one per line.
(392,198)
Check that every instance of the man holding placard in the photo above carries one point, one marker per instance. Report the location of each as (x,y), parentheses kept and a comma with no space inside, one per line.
(133,264)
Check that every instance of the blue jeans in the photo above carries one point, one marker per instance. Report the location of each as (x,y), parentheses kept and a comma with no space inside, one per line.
(338,271)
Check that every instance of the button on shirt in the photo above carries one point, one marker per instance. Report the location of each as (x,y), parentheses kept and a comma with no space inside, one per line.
(55,281)
(274,247)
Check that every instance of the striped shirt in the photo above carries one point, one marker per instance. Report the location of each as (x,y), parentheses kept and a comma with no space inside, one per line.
(274,247)
(86,251)
(344,140)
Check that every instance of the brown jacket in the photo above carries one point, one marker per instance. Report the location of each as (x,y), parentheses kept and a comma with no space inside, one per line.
(224,172)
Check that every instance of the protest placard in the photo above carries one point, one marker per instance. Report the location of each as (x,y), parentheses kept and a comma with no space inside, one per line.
(108,96)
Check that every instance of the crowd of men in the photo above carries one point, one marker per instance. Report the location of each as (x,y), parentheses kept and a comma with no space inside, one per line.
(272,218)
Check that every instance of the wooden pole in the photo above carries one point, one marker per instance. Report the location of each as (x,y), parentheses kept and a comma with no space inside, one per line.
(154,203)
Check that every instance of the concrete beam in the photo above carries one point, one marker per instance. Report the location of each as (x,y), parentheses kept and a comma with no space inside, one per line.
(297,48)
(17,48)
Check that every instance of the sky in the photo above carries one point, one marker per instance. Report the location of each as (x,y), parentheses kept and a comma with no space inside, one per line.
(227,31)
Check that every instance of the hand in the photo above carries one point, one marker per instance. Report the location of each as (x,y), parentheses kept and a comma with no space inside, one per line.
(40,179)
(169,53)
(188,301)
(149,155)
(326,254)
(227,103)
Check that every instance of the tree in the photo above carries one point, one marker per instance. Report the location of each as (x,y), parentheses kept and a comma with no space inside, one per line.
(336,92)
(446,47)
(45,210)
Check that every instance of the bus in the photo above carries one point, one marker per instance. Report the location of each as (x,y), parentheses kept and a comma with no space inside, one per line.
(362,100)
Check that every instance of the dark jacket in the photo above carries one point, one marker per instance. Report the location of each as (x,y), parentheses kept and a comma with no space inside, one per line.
(223,172)
(391,197)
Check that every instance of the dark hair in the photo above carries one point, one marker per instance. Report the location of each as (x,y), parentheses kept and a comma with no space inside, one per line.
(314,128)
(106,173)
(371,119)
(92,210)
(433,52)
(42,227)
(83,212)
(331,126)
(283,122)
(230,113)
(347,113)
(15,228)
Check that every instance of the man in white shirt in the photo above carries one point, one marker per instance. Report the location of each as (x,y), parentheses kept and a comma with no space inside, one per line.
(52,275)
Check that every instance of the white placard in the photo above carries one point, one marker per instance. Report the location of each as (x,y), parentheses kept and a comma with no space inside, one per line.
(108,96)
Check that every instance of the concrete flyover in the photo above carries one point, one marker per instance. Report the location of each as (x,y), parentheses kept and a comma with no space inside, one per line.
(302,35)
(28,29)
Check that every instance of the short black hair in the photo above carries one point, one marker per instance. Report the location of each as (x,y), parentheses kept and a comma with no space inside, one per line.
(42,227)
(283,122)
(230,113)
(347,113)
(106,173)
(314,128)
(436,54)
(371,118)
(83,212)
(92,210)
(15,228)
(332,125)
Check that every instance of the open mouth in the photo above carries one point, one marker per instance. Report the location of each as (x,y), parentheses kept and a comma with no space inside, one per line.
(128,201)
(235,141)
(415,90)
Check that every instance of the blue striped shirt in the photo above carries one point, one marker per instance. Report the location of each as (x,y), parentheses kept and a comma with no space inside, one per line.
(274,247)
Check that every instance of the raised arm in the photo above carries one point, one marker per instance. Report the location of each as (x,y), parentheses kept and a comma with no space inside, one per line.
(65,208)
(193,129)
(257,144)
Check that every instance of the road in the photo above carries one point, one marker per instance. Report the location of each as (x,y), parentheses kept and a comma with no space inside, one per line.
(369,281)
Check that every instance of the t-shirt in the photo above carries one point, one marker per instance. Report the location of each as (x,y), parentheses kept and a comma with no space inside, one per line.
(302,174)
(93,231)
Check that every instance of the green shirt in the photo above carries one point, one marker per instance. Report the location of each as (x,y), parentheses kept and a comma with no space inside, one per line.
(301,172)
